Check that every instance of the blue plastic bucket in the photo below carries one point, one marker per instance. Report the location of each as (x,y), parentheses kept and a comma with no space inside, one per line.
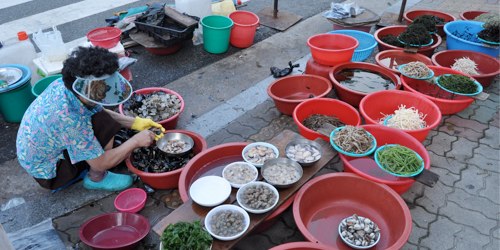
(367,43)
(461,35)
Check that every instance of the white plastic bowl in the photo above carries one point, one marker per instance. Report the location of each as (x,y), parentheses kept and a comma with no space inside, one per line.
(252,184)
(251,167)
(210,191)
(254,144)
(215,210)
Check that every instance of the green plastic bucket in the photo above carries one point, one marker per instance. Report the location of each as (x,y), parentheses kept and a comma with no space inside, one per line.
(216,33)
(15,99)
(42,84)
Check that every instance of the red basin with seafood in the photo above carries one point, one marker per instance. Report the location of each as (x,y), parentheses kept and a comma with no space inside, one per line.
(447,102)
(323,202)
(398,29)
(169,179)
(367,168)
(211,162)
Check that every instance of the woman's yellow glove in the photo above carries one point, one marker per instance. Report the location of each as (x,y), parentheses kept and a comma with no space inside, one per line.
(140,124)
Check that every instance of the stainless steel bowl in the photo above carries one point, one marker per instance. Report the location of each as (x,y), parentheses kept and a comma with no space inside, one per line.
(162,142)
(306,142)
(284,161)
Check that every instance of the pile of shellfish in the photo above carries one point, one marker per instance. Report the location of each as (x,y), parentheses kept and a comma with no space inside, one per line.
(359,231)
(157,106)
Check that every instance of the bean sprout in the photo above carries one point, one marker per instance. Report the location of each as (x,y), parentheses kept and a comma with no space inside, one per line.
(406,118)
(415,70)
(353,139)
(465,65)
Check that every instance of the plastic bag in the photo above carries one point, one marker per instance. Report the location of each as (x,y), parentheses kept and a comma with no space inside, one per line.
(343,10)
(51,44)
(41,236)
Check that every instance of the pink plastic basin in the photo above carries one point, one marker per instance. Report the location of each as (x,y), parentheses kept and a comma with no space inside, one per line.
(368,169)
(487,66)
(391,59)
(105,37)
(211,162)
(314,68)
(470,15)
(114,231)
(375,105)
(169,123)
(324,106)
(411,15)
(332,49)
(300,246)
(287,92)
(351,96)
(169,179)
(440,97)
(398,29)
(131,200)
(322,203)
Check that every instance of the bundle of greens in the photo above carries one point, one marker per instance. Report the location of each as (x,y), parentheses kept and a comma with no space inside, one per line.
(415,35)
(399,160)
(392,40)
(186,236)
(491,31)
(458,84)
(428,21)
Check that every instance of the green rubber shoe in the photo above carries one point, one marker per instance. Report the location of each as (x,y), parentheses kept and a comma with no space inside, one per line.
(110,182)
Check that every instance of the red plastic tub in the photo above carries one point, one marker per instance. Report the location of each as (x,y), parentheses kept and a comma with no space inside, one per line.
(169,123)
(398,29)
(170,179)
(488,67)
(244,28)
(411,15)
(323,202)
(368,169)
(211,162)
(105,37)
(131,200)
(287,92)
(470,15)
(166,50)
(391,59)
(314,68)
(115,231)
(324,106)
(353,97)
(440,97)
(332,49)
(375,105)
(300,246)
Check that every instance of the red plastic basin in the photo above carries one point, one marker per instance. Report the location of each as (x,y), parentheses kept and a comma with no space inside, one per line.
(105,37)
(300,246)
(368,169)
(169,123)
(131,200)
(332,49)
(398,29)
(169,179)
(470,15)
(166,50)
(391,59)
(289,91)
(211,162)
(374,105)
(322,203)
(314,68)
(353,97)
(244,28)
(488,67)
(114,231)
(411,15)
(324,106)
(440,97)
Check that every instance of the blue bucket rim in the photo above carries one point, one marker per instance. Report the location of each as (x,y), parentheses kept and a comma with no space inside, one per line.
(24,79)
(448,33)
(346,32)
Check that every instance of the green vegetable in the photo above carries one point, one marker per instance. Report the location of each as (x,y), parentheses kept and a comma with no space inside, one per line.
(186,236)
(399,160)
(458,83)
(416,34)
(428,21)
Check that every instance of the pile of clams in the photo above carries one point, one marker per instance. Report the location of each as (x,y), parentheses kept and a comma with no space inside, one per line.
(156,106)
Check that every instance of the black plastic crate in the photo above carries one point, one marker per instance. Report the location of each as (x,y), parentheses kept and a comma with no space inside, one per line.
(160,24)
(168,40)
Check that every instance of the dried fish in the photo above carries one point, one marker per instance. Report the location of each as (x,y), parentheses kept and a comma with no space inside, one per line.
(316,121)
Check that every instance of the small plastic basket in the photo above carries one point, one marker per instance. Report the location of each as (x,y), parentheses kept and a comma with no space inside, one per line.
(421,168)
(367,43)
(368,152)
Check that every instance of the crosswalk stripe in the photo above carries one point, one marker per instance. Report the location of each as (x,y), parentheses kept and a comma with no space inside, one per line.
(59,16)
(9,3)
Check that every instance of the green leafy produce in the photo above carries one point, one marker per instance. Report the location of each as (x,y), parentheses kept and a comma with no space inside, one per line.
(491,32)
(428,21)
(458,83)
(186,236)
(399,160)
(416,34)
(392,40)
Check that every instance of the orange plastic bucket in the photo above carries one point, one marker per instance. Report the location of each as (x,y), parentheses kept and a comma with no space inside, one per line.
(245,26)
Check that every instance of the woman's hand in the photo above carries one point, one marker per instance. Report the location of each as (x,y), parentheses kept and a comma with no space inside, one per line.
(144,138)
(141,124)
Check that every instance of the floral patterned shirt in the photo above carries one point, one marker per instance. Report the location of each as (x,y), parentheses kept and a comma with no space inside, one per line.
(54,122)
